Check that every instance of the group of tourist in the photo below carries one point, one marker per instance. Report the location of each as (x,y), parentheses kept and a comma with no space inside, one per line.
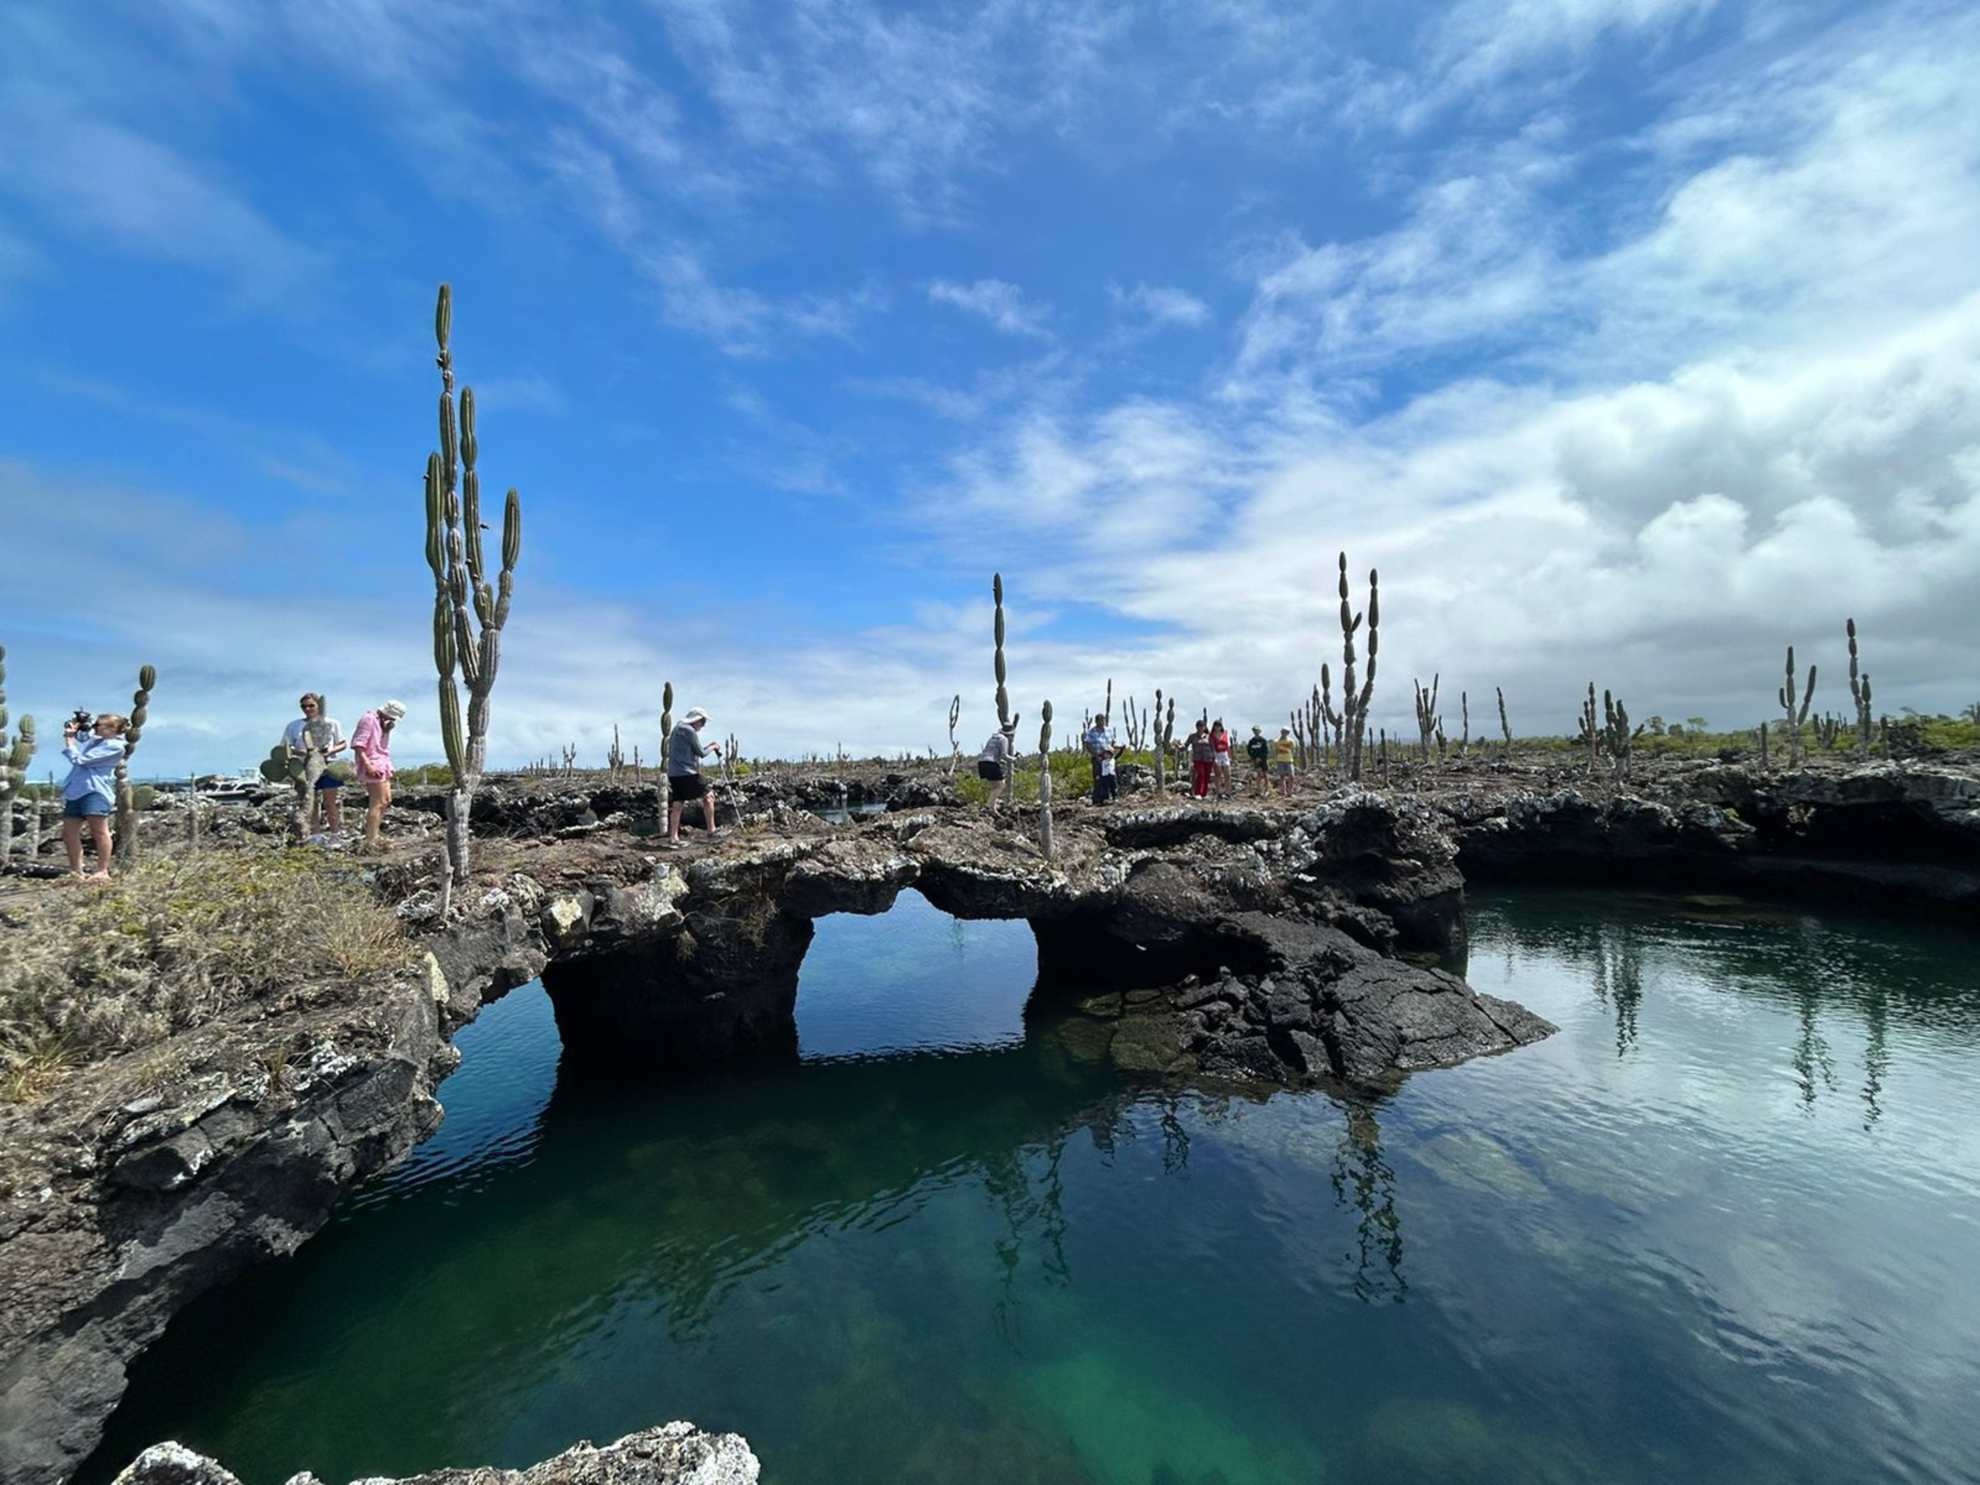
(1209,760)
(314,740)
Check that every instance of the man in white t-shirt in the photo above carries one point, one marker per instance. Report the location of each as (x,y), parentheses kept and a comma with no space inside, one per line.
(313,736)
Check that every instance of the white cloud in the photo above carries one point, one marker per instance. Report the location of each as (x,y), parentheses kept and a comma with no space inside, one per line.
(1161,304)
(103,185)
(991,299)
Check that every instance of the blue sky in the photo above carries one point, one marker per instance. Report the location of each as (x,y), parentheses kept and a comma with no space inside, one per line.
(1634,340)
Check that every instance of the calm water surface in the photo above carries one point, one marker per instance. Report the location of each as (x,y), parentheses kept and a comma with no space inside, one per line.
(1723,1227)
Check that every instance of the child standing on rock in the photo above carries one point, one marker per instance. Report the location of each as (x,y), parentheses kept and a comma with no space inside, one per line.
(89,792)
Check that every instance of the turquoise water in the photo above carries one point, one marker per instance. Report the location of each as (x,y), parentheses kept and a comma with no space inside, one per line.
(1721,1228)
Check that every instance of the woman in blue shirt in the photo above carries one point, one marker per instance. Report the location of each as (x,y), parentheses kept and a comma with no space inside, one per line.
(89,792)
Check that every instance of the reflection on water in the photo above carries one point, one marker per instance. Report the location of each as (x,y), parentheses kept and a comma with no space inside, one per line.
(1363,1180)
(1720,1227)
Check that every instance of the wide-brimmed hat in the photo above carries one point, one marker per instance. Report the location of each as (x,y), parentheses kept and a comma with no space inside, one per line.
(393,709)
(695,714)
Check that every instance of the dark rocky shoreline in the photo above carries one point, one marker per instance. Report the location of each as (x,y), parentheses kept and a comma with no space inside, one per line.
(1222,941)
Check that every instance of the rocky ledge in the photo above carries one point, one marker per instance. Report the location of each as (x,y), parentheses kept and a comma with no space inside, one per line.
(1899,836)
(676,1454)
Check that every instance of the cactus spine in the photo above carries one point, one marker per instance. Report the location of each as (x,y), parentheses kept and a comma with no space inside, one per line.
(126,848)
(468,612)
(1045,773)
(1354,704)
(15,752)
(1795,718)
(1859,692)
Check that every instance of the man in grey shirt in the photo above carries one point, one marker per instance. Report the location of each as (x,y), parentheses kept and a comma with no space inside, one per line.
(684,754)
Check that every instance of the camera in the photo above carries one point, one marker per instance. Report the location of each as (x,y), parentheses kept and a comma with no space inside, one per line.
(85,721)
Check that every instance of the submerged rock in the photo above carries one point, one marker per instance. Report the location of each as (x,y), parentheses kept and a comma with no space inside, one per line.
(674,1454)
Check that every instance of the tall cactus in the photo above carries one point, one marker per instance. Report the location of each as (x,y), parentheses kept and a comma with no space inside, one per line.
(1005,716)
(1591,733)
(1428,723)
(1859,692)
(126,848)
(1045,774)
(468,613)
(1354,704)
(1795,719)
(1330,721)
(1505,727)
(955,715)
(663,791)
(15,752)
(1617,736)
(1612,734)
(1165,737)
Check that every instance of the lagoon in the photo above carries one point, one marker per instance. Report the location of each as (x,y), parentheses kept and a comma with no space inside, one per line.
(1719,1227)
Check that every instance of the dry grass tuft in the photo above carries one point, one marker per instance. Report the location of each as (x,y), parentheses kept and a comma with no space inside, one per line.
(171,944)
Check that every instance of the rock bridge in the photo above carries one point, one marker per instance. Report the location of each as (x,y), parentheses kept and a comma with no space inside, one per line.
(1278,938)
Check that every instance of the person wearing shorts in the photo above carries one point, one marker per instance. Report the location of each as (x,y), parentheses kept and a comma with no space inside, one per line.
(371,748)
(994,763)
(1260,753)
(1282,760)
(684,782)
(89,792)
(328,734)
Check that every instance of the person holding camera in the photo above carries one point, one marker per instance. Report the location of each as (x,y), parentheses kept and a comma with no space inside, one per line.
(313,735)
(684,782)
(371,748)
(93,746)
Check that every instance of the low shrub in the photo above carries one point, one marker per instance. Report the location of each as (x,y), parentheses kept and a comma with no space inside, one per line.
(170,944)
